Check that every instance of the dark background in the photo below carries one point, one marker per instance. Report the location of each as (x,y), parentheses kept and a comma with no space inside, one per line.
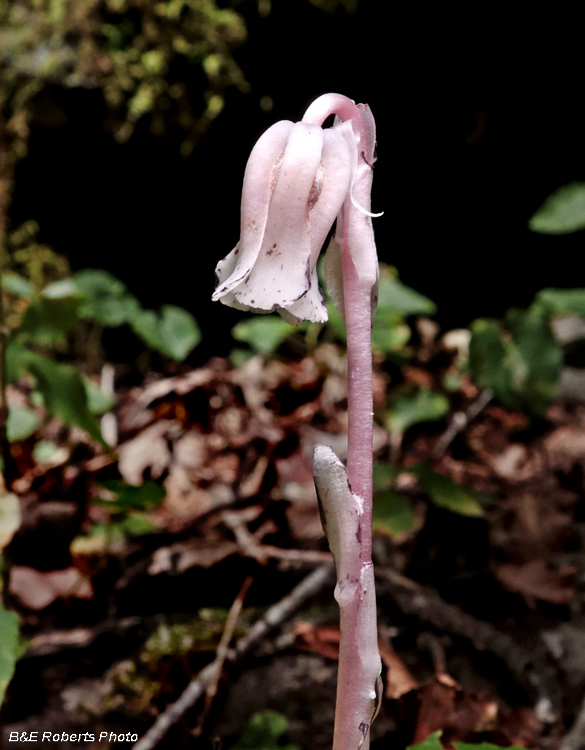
(479,114)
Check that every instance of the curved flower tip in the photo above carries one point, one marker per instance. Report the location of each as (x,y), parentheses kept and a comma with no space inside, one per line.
(296,182)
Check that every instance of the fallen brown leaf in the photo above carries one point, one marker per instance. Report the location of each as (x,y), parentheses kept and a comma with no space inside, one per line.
(399,679)
(148,450)
(202,553)
(319,640)
(534,580)
(437,701)
(36,590)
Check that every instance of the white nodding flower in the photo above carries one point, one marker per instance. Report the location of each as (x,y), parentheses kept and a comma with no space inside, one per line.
(298,180)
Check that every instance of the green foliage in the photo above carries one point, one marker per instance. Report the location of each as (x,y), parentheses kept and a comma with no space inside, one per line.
(392,513)
(139,53)
(61,386)
(147,496)
(129,506)
(561,302)
(17,285)
(22,423)
(98,402)
(9,647)
(103,298)
(173,331)
(44,451)
(264,334)
(396,302)
(432,742)
(263,732)
(390,332)
(445,493)
(521,361)
(41,317)
(562,212)
(407,410)
(395,295)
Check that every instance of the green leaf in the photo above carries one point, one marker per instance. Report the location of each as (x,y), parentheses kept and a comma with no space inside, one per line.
(561,302)
(395,295)
(562,212)
(483,746)
(536,370)
(98,402)
(105,298)
(9,647)
(263,732)
(146,325)
(21,424)
(48,321)
(44,451)
(147,496)
(17,285)
(137,524)
(179,331)
(173,332)
(239,357)
(96,284)
(392,513)
(18,358)
(445,493)
(335,322)
(389,333)
(64,393)
(264,334)
(521,366)
(425,405)
(10,517)
(431,743)
(60,289)
(488,354)
(383,475)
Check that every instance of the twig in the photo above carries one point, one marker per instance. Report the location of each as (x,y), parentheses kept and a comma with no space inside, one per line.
(222,651)
(415,599)
(460,420)
(276,615)
(54,641)
(250,545)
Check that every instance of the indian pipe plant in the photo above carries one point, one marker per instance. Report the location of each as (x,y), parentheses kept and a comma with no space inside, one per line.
(299,180)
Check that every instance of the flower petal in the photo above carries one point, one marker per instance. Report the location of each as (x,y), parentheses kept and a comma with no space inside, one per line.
(259,178)
(281,273)
(336,165)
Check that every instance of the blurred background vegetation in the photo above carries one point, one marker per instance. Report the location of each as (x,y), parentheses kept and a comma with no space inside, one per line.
(106,138)
(125,127)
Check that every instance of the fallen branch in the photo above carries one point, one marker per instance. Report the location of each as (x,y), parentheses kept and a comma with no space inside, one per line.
(250,545)
(275,616)
(222,650)
(460,420)
(414,599)
(54,641)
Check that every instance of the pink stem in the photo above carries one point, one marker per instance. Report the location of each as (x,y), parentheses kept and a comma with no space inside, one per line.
(359,661)
(353,669)
(360,394)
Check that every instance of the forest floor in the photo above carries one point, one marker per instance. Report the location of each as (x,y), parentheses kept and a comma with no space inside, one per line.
(134,569)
